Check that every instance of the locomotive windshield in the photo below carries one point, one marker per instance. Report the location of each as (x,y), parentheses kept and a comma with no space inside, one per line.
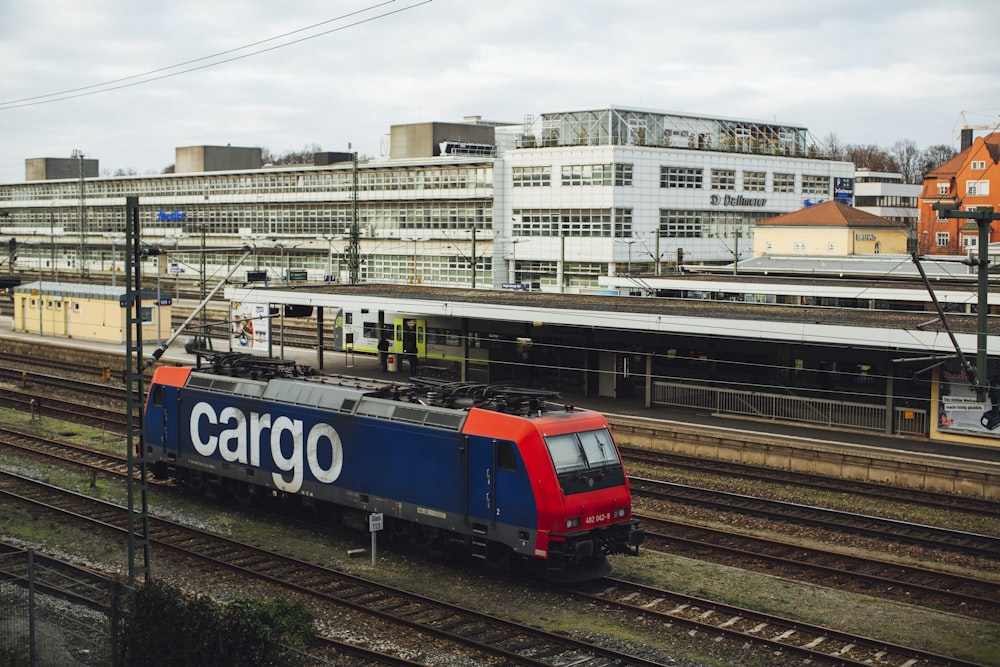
(586,450)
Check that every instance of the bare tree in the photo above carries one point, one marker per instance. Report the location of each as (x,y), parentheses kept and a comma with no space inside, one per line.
(303,155)
(934,156)
(870,157)
(834,147)
(906,155)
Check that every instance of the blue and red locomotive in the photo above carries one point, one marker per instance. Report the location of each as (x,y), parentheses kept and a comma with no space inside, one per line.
(504,473)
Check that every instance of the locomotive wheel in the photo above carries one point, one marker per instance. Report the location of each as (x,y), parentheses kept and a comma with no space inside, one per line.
(398,528)
(241,492)
(423,537)
(197,481)
(498,556)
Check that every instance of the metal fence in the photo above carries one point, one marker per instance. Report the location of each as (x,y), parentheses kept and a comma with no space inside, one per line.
(53,614)
(781,407)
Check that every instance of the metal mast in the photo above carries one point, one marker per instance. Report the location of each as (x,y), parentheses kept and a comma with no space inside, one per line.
(81,252)
(984,218)
(353,246)
(138,507)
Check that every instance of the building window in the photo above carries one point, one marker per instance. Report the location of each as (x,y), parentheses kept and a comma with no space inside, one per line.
(723,179)
(586,174)
(815,185)
(784,182)
(799,246)
(623,174)
(942,188)
(532,177)
(563,222)
(680,177)
(970,241)
(680,224)
(977,188)
(623,222)
(943,238)
(755,181)
(978,165)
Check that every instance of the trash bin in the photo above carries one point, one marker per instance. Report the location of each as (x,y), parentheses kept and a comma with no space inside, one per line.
(392,363)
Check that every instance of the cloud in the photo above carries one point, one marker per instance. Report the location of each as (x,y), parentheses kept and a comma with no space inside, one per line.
(869,72)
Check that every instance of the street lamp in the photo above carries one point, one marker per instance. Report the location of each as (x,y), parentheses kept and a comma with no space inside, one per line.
(471,260)
(735,250)
(513,257)
(252,237)
(115,238)
(629,242)
(282,245)
(329,238)
(416,240)
(33,242)
(176,238)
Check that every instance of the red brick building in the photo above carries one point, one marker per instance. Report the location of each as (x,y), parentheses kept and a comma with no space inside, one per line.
(963,181)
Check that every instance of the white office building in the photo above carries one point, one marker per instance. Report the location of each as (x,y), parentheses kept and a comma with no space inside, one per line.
(554,203)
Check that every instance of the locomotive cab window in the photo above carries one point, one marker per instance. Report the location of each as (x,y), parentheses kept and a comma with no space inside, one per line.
(506,458)
(582,451)
(585,461)
(157,398)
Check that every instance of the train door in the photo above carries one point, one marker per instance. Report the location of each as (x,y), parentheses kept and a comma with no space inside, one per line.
(617,374)
(161,419)
(480,499)
(410,336)
(24,313)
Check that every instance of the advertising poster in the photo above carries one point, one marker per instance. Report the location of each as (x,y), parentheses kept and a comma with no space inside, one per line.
(250,327)
(960,410)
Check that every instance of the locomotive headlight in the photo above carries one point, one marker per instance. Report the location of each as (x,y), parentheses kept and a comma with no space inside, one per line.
(620,513)
(573,523)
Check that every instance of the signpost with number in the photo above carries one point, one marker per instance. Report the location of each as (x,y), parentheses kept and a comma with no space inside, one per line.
(375,523)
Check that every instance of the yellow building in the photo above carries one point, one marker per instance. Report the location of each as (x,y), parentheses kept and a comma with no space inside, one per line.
(829,229)
(95,312)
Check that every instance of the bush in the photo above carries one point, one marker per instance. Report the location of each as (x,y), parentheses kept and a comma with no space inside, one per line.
(163,628)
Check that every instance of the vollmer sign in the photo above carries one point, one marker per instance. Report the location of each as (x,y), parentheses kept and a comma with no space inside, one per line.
(865,237)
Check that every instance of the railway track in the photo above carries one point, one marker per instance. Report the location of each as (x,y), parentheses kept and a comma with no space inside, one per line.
(467,630)
(742,471)
(63,452)
(816,645)
(513,643)
(87,588)
(47,405)
(909,584)
(982,546)
(16,367)
(967,601)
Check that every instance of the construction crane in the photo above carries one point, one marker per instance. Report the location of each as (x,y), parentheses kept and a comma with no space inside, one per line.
(989,127)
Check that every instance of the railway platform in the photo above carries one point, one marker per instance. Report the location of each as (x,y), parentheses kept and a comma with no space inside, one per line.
(911,450)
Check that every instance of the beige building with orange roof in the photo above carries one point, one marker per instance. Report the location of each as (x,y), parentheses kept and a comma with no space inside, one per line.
(829,229)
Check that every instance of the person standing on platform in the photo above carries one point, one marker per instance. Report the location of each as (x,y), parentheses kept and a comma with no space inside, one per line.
(383,353)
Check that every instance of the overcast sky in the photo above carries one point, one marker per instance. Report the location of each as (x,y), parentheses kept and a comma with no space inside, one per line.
(870,72)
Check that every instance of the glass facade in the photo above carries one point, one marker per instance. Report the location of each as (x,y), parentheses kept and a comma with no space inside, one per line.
(626,127)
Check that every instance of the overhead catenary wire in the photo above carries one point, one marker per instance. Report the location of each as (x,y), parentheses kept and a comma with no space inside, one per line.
(165,73)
